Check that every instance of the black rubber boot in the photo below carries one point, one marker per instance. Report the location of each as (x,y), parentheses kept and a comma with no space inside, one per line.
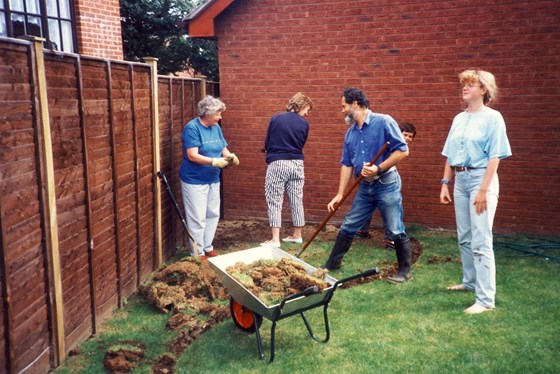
(404,260)
(341,246)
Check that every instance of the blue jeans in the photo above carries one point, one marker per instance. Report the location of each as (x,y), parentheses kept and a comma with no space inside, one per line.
(474,234)
(383,194)
(202,211)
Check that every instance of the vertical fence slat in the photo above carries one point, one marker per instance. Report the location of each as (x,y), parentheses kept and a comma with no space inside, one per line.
(92,288)
(171,176)
(6,306)
(136,175)
(116,199)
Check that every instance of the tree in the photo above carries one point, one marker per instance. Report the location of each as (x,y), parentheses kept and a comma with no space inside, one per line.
(151,28)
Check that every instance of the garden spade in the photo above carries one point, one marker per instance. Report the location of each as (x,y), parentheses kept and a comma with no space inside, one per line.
(167,187)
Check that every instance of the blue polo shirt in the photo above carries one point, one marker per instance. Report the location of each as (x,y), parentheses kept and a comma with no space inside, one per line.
(210,142)
(361,145)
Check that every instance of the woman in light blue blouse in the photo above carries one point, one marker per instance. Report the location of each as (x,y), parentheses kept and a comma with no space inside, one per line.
(474,147)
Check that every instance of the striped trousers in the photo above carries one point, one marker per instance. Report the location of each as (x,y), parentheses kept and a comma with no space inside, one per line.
(285,176)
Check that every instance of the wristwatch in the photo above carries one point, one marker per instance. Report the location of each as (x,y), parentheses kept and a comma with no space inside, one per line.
(379,170)
(444,181)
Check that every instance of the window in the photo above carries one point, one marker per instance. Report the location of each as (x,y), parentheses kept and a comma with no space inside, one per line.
(3,31)
(49,19)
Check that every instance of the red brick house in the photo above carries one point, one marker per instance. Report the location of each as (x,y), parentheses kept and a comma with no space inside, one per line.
(406,55)
(91,28)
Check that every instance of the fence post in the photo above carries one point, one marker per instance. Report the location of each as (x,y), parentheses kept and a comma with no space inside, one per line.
(51,224)
(202,88)
(156,160)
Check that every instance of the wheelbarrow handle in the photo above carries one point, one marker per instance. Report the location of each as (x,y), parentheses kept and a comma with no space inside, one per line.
(308,291)
(367,273)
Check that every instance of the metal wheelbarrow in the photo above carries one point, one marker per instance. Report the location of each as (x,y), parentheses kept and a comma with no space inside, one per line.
(247,310)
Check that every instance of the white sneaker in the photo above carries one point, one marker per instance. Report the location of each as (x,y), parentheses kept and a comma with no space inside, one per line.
(291,240)
(270,243)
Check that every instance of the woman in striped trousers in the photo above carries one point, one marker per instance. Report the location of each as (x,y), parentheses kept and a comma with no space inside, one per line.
(285,138)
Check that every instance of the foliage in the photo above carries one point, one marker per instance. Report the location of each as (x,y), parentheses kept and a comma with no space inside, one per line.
(151,28)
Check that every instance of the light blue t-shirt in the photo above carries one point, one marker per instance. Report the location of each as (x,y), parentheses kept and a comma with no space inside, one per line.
(210,142)
(476,138)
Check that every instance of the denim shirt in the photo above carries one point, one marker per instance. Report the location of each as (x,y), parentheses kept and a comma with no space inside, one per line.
(361,145)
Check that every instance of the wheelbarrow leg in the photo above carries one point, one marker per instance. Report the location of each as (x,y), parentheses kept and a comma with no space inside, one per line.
(259,341)
(327,327)
(258,335)
(272,337)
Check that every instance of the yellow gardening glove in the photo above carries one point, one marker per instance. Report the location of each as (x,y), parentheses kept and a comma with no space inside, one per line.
(220,162)
(233,159)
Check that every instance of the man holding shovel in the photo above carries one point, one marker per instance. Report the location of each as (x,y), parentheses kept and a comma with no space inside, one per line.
(380,185)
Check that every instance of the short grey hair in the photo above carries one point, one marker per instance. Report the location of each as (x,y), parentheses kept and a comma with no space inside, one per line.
(210,105)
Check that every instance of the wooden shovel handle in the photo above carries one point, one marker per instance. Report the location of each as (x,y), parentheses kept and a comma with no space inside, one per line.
(337,205)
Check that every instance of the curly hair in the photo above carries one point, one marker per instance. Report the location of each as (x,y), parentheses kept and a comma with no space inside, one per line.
(485,79)
(210,105)
(352,94)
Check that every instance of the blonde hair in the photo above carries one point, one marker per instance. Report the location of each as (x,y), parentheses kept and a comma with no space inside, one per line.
(298,102)
(485,79)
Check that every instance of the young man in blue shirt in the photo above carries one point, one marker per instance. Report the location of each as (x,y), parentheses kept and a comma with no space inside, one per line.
(380,187)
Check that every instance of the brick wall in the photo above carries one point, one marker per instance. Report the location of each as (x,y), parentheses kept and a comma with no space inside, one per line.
(99,28)
(406,55)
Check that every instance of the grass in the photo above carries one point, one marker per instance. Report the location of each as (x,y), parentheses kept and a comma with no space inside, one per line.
(416,327)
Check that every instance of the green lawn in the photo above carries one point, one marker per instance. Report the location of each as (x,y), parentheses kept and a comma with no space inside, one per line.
(417,327)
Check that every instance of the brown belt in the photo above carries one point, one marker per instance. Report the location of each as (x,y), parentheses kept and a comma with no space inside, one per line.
(459,169)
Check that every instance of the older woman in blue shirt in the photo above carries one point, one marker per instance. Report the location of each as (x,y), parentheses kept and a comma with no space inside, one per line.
(204,154)
(474,147)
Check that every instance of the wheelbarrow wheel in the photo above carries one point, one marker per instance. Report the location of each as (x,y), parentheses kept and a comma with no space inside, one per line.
(243,317)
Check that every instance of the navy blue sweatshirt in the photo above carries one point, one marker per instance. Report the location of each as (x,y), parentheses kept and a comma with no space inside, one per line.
(285,137)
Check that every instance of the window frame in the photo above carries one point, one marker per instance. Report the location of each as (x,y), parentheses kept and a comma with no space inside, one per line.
(44,27)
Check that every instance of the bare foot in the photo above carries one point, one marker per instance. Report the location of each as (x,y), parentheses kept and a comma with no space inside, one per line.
(477,309)
(271,243)
(457,287)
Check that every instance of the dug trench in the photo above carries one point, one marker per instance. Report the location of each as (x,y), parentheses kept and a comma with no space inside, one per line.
(190,292)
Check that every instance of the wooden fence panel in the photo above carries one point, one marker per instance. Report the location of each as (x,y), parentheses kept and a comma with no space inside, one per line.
(68,157)
(102,133)
(100,177)
(96,129)
(25,304)
(125,177)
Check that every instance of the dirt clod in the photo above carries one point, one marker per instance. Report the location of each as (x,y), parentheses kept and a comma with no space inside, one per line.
(122,356)
(164,365)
